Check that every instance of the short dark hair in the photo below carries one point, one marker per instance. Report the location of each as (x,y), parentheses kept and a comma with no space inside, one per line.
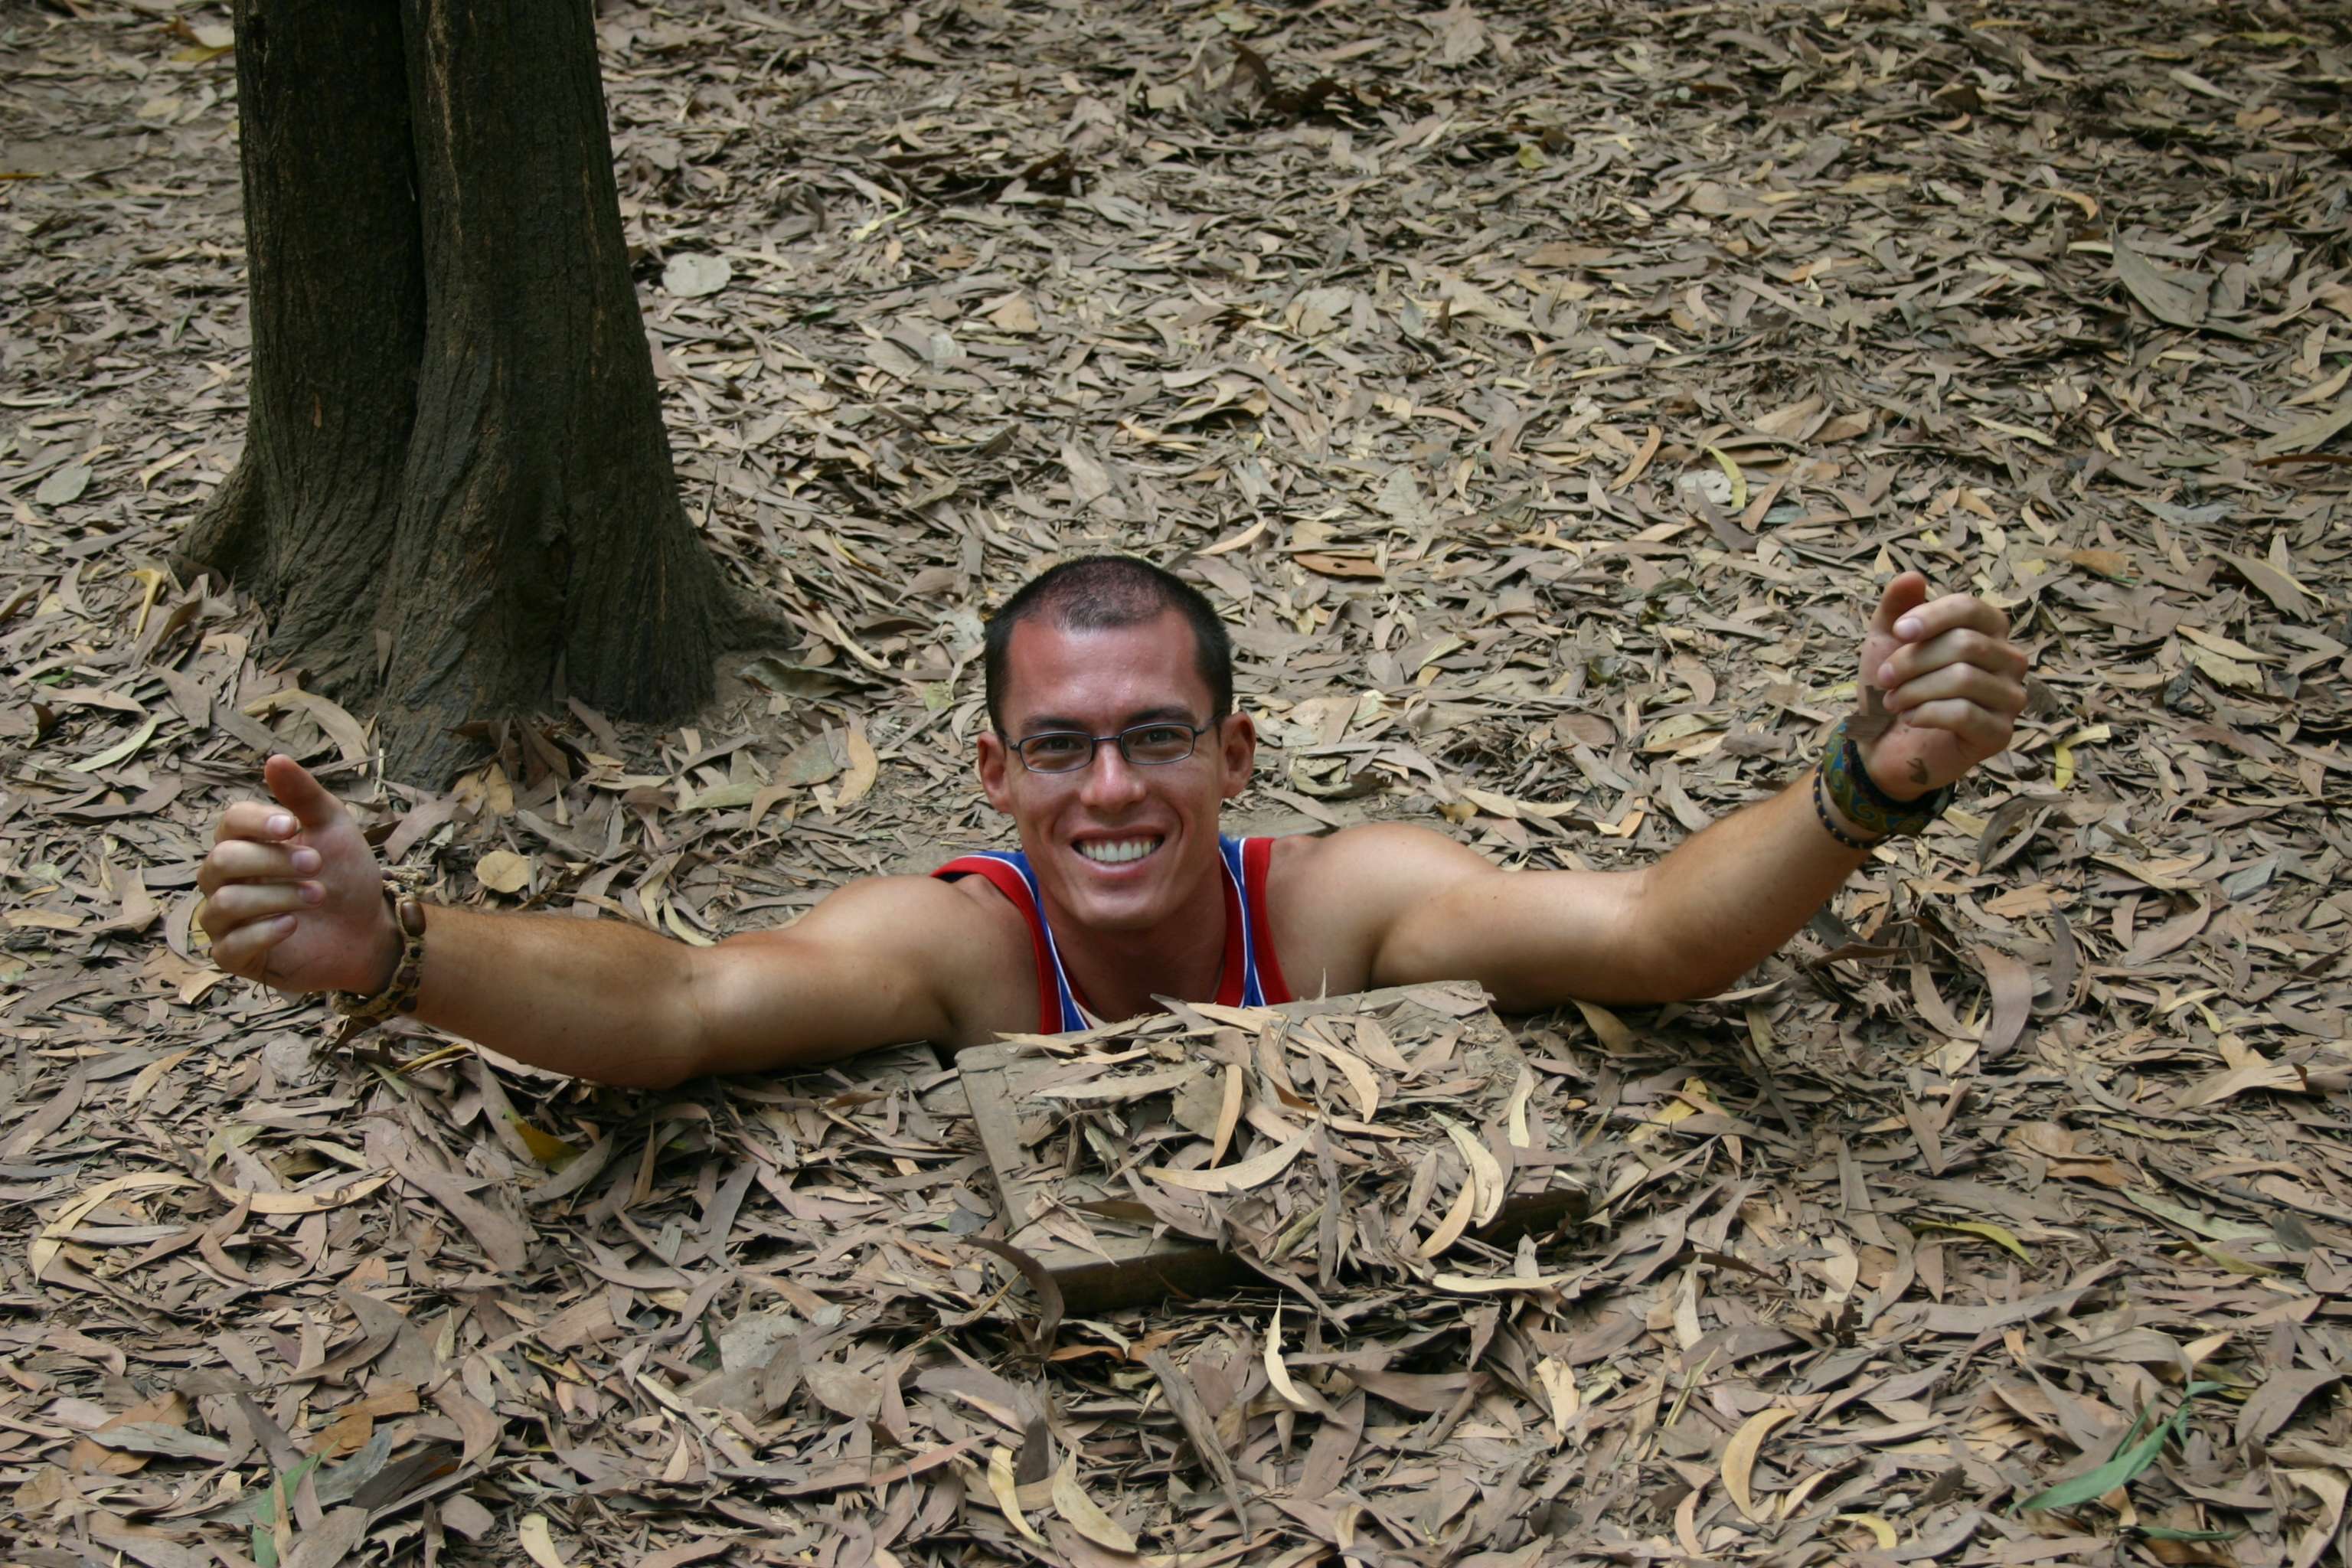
(1096,592)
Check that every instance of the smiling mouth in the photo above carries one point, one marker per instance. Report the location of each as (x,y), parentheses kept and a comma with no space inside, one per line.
(1119,851)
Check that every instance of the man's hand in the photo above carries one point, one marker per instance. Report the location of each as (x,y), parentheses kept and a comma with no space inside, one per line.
(1954,685)
(292,894)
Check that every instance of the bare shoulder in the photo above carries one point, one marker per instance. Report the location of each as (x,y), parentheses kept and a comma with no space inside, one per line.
(1397,905)
(1334,899)
(910,910)
(1376,856)
(960,942)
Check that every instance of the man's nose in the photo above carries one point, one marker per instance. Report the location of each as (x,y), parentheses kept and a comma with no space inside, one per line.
(1112,780)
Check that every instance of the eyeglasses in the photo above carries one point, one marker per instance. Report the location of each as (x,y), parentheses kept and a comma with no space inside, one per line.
(1142,745)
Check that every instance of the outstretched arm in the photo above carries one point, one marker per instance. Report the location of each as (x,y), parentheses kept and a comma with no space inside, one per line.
(1723,901)
(294,898)
(605,1000)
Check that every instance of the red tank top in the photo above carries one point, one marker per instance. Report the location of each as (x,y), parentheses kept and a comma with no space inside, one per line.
(1252,973)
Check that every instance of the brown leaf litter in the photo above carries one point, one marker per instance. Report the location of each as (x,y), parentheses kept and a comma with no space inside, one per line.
(1542,393)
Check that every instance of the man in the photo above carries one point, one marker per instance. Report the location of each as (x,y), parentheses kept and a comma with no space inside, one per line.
(1113,746)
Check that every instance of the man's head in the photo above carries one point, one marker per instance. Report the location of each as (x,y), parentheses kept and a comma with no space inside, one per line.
(1096,592)
(1121,841)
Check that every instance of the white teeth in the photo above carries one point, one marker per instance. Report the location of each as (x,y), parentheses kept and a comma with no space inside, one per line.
(1119,851)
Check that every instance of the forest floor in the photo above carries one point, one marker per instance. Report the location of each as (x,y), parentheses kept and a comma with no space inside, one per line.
(1544,392)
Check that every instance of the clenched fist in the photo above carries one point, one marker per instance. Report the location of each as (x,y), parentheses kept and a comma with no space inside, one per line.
(292,894)
(1954,686)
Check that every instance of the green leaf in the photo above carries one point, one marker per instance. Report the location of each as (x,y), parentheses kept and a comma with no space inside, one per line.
(2230,1260)
(545,1147)
(1998,1234)
(2118,1471)
(2131,1456)
(2167,1533)
(113,754)
(264,1509)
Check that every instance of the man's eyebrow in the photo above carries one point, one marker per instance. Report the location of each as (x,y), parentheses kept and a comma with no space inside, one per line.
(1176,711)
(1044,723)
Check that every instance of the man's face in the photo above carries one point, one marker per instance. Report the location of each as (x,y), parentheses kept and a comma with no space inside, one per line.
(1083,830)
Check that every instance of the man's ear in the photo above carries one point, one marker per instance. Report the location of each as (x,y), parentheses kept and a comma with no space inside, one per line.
(992,762)
(1236,753)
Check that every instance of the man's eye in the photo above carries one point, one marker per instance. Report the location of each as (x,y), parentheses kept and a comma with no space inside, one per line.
(1159,735)
(1054,745)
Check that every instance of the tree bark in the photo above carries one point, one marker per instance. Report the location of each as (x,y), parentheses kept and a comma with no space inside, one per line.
(456,496)
(336,276)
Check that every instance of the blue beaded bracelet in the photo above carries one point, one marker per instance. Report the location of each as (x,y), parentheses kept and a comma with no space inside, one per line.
(1822,810)
(1846,780)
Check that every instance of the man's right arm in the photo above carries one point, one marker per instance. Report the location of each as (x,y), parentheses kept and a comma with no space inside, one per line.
(294,898)
(605,1000)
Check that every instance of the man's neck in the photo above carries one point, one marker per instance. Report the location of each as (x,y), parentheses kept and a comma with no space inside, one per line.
(1117,973)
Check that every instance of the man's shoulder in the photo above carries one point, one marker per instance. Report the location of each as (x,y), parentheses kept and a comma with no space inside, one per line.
(1336,898)
(962,941)
(918,914)
(1342,891)
(1375,848)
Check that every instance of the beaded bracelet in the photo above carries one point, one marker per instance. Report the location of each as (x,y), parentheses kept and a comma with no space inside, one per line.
(399,993)
(1847,783)
(1822,810)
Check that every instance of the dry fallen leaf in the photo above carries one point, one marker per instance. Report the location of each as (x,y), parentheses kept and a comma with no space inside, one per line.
(1079,1511)
(503,872)
(691,277)
(535,1538)
(1237,1177)
(1740,1457)
(1277,1373)
(861,773)
(313,1201)
(1008,1502)
(2170,297)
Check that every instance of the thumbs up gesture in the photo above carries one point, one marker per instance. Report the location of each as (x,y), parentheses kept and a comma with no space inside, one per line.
(1952,682)
(292,894)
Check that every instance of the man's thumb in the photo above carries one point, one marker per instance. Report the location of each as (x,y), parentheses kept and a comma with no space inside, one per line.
(1904,594)
(298,793)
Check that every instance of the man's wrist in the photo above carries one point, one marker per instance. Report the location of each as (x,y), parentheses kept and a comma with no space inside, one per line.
(1905,794)
(1837,825)
(1847,785)
(397,992)
(388,945)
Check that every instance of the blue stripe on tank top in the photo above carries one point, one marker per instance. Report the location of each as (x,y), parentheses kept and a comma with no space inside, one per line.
(1072,1018)
(1229,850)
(1252,993)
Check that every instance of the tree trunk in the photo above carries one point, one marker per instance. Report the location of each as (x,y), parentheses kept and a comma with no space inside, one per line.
(456,496)
(336,266)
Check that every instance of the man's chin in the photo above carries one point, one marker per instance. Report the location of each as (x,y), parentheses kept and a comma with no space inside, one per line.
(1134,900)
(1125,918)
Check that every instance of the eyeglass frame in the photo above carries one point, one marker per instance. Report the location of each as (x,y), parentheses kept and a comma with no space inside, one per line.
(1118,737)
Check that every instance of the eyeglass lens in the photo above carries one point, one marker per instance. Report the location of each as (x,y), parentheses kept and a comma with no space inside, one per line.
(1146,745)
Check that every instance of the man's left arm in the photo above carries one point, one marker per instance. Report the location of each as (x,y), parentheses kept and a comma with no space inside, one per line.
(1727,898)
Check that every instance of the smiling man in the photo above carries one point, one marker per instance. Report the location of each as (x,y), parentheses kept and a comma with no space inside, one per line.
(1113,746)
